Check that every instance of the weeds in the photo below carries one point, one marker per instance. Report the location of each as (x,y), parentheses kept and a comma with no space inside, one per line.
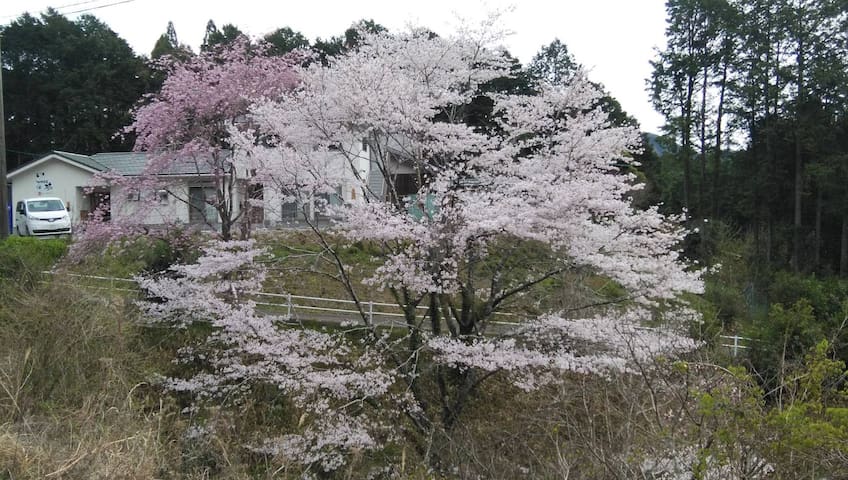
(78,399)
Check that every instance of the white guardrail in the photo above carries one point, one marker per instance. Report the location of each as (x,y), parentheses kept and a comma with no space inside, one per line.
(735,343)
(386,311)
(291,303)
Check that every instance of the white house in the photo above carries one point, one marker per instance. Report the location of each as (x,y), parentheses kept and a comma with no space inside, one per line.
(59,174)
(347,165)
(388,162)
(183,199)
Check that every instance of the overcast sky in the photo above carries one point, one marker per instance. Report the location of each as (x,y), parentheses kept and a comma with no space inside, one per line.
(614,39)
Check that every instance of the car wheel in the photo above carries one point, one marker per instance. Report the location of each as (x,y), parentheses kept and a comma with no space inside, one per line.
(18,229)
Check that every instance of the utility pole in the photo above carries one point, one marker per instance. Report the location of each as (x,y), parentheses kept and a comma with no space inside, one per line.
(4,188)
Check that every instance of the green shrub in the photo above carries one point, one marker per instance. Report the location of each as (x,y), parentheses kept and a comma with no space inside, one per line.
(728,286)
(783,338)
(22,259)
(825,296)
(132,256)
(804,310)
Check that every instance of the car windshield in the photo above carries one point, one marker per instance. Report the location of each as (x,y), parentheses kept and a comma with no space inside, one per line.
(47,205)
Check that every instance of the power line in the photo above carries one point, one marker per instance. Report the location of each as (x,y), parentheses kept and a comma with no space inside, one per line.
(97,7)
(29,154)
(76,4)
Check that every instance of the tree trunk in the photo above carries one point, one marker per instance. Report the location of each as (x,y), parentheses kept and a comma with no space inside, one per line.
(843,247)
(435,315)
(769,234)
(798,191)
(687,149)
(818,232)
(799,163)
(717,153)
(755,193)
(702,185)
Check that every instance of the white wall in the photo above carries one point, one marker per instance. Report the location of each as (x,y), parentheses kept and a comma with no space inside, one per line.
(148,206)
(331,162)
(152,208)
(352,188)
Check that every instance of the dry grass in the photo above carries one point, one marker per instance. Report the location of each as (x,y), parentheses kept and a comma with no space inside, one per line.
(95,441)
(77,399)
(76,402)
(73,402)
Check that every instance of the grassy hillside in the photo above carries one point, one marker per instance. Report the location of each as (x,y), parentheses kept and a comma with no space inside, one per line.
(79,398)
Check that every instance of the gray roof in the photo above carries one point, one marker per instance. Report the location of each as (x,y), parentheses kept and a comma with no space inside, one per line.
(133,163)
(83,160)
(125,163)
(129,163)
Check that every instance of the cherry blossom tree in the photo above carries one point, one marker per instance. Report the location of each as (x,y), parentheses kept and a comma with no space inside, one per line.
(315,369)
(467,220)
(185,131)
(551,176)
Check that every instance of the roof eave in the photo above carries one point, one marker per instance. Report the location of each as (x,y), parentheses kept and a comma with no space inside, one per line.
(45,159)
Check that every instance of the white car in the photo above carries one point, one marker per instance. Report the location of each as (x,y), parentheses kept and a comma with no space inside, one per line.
(42,216)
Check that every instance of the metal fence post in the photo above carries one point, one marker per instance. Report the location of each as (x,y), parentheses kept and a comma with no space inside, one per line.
(370,312)
(735,345)
(289,305)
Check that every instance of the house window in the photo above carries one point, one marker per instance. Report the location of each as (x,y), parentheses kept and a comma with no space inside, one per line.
(363,145)
(289,211)
(406,184)
(324,200)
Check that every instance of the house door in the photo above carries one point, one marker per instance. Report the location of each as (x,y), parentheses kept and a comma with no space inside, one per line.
(200,209)
(256,214)
(98,201)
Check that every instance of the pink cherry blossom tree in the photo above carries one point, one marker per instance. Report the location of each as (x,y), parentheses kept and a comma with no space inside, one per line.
(316,370)
(185,131)
(467,220)
(453,207)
